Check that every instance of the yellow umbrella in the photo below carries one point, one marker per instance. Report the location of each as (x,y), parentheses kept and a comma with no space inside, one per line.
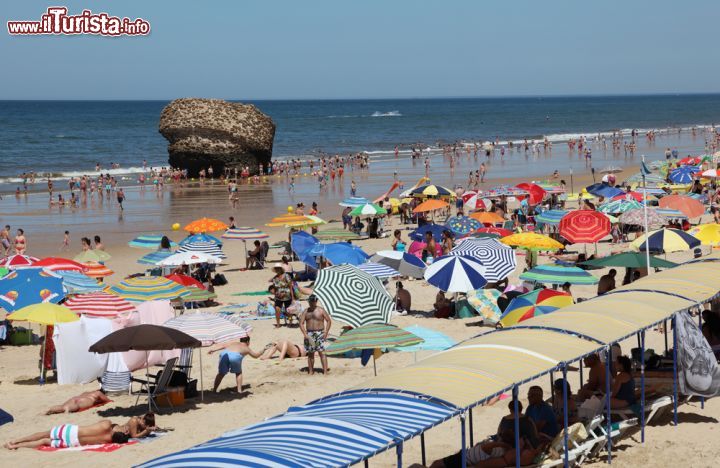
(290,220)
(205,225)
(312,220)
(44,313)
(531,241)
(708,234)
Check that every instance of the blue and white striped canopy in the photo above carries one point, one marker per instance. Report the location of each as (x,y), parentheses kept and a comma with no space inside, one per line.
(378,270)
(352,202)
(148,241)
(456,273)
(154,257)
(202,237)
(498,259)
(204,247)
(78,283)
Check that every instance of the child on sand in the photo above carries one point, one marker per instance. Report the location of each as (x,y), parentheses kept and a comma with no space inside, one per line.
(66,242)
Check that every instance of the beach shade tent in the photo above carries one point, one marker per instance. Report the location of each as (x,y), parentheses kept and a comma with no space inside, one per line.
(153,258)
(473,201)
(611,169)
(202,237)
(683,174)
(97,270)
(688,206)
(368,210)
(433,340)
(148,288)
(629,260)
(431,190)
(144,338)
(708,234)
(353,296)
(78,283)
(189,258)
(372,336)
(637,217)
(15,261)
(498,259)
(550,217)
(495,231)
(149,241)
(60,264)
(604,190)
(339,253)
(205,225)
(207,248)
(99,304)
(586,226)
(456,273)
(665,241)
(185,280)
(430,205)
(619,206)
(378,270)
(462,225)
(352,202)
(487,217)
(485,303)
(407,264)
(435,229)
(336,234)
(631,195)
(531,241)
(558,274)
(244,234)
(94,255)
(533,304)
(27,286)
(535,193)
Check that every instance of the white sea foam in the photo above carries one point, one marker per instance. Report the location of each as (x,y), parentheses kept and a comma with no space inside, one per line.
(386,114)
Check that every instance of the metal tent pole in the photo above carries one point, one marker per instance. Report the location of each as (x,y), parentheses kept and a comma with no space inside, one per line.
(581,374)
(675,374)
(422,449)
(463,454)
(471,427)
(565,415)
(642,386)
(608,357)
(399,450)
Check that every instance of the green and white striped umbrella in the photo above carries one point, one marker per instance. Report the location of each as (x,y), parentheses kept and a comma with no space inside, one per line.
(353,296)
(368,210)
(336,234)
(557,274)
(619,206)
(373,337)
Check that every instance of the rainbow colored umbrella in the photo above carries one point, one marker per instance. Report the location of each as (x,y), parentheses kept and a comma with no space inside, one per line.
(533,304)
(148,288)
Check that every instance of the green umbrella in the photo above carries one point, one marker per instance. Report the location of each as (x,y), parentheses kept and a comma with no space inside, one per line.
(3,271)
(557,274)
(336,234)
(629,260)
(198,295)
(92,256)
(368,210)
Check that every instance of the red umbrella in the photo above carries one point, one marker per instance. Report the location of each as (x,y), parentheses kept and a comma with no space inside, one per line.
(60,264)
(629,195)
(502,232)
(689,206)
(99,304)
(584,226)
(536,193)
(690,161)
(472,201)
(14,261)
(185,280)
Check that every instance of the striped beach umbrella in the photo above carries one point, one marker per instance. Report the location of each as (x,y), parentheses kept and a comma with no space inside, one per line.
(669,213)
(99,304)
(57,264)
(431,190)
(456,273)
(244,234)
(336,234)
(189,258)
(353,296)
(498,259)
(368,210)
(665,241)
(372,336)
(95,255)
(407,264)
(557,274)
(352,202)
(97,270)
(201,238)
(637,217)
(551,217)
(531,241)
(148,241)
(78,283)
(533,304)
(588,226)
(199,295)
(473,201)
(378,270)
(154,257)
(148,288)
(14,261)
(462,225)
(619,206)
(205,225)
(683,174)
(207,328)
(207,248)
(689,206)
(432,340)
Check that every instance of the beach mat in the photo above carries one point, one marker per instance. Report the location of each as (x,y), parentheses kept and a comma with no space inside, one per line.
(105,448)
(264,292)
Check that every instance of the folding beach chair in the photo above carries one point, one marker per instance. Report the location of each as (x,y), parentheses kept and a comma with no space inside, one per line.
(158,385)
(116,382)
(185,362)
(653,410)
(582,440)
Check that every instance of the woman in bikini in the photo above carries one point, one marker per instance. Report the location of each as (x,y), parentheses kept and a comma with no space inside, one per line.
(20,242)
(286,348)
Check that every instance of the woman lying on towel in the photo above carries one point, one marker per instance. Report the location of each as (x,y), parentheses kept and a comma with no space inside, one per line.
(80,403)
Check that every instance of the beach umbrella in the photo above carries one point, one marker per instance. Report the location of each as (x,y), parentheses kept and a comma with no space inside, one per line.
(604,190)
(99,304)
(708,234)
(631,195)
(15,261)
(154,257)
(629,260)
(690,160)
(28,286)
(533,304)
(584,226)
(535,192)
(185,280)
(531,241)
(552,188)
(207,328)
(202,237)
(487,217)
(654,191)
(198,295)
(4,271)
(149,241)
(95,255)
(551,217)
(462,225)
(431,190)
(432,340)
(650,179)
(611,169)
(189,258)
(456,273)
(496,231)
(56,264)
(301,242)
(339,253)
(352,202)
(505,191)
(710,174)
(583,195)
(430,205)
(473,201)
(289,220)
(665,241)
(368,210)
(353,296)
(309,221)
(244,234)
(689,206)
(78,283)
(407,264)
(205,225)
(336,234)
(97,270)
(435,229)
(636,217)
(498,259)
(619,206)
(558,274)
(207,248)
(668,213)
(683,174)
(378,270)
(148,288)
(485,302)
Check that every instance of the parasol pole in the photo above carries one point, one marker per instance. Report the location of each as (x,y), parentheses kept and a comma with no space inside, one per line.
(202,392)
(42,358)
(374,365)
(643,170)
(572,184)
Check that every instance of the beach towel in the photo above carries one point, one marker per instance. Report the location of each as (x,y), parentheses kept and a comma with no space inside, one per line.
(698,369)
(75,364)
(88,448)
(251,315)
(252,293)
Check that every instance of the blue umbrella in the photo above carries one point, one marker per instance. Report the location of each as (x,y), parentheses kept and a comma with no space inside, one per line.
(201,238)
(436,230)
(339,253)
(301,242)
(551,217)
(433,340)
(28,286)
(462,225)
(602,189)
(683,174)
(148,241)
(456,273)
(78,283)
(352,202)
(154,257)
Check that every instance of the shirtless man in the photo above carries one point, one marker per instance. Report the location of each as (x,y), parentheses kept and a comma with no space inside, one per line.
(231,357)
(81,402)
(315,325)
(286,348)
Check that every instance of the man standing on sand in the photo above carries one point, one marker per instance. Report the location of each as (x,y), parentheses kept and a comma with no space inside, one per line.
(315,325)
(231,360)
(5,240)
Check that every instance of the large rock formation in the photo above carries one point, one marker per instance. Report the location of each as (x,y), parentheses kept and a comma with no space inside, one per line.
(212,132)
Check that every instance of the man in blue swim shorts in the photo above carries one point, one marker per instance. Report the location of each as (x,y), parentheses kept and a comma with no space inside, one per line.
(231,356)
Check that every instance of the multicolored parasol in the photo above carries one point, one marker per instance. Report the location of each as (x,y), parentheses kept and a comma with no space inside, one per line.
(99,304)
(665,241)
(462,225)
(534,303)
(148,288)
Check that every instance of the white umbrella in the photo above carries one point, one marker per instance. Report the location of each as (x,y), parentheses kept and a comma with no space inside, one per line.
(188,258)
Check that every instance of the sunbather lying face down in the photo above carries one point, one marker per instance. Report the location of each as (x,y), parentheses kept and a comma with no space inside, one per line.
(81,402)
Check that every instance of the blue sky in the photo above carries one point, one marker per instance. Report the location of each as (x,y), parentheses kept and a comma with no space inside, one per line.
(264,49)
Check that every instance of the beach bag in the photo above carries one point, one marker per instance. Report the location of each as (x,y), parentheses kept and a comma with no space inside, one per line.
(295,308)
(219,280)
(264,309)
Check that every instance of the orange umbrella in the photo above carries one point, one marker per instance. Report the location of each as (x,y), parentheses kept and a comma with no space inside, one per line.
(689,206)
(487,217)
(97,270)
(205,225)
(430,205)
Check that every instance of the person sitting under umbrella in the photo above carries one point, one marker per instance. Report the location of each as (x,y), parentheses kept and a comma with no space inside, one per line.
(254,256)
(403,300)
(80,403)
(231,358)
